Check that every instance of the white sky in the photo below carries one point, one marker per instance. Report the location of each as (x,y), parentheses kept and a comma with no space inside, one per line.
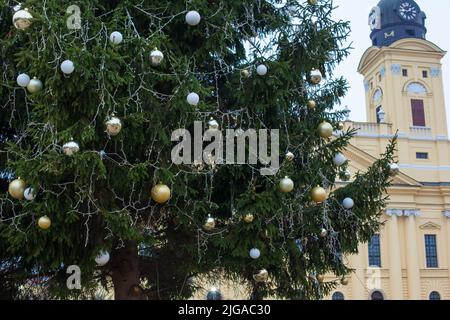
(357,11)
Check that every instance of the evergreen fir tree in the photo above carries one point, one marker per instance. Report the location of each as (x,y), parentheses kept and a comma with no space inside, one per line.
(99,198)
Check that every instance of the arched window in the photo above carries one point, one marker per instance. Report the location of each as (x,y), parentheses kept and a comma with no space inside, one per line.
(435,296)
(338,296)
(416,88)
(376,295)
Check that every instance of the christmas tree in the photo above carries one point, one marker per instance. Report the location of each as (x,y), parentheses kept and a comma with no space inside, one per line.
(118,109)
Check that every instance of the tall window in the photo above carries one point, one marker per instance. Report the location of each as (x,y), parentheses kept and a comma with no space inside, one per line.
(435,296)
(431,251)
(375,252)
(418,113)
(338,296)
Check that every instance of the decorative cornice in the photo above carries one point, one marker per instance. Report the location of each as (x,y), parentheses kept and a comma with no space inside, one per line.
(412,213)
(447,213)
(403,212)
(394,212)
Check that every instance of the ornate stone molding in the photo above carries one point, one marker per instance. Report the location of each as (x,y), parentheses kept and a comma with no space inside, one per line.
(447,213)
(403,212)
(411,213)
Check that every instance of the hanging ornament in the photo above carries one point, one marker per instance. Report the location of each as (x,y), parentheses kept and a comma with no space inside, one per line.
(344,281)
(394,168)
(341,126)
(193,18)
(346,176)
(161,193)
(22,19)
(116,37)
(23,80)
(213,124)
(348,203)
(255,253)
(312,105)
(113,126)
(245,73)
(319,195)
(248,218)
(193,99)
(102,258)
(44,223)
(286,185)
(214,294)
(320,278)
(323,233)
(156,57)
(17,188)
(35,85)
(325,129)
(210,223)
(316,76)
(339,159)
(67,67)
(261,276)
(29,194)
(261,70)
(290,156)
(70,148)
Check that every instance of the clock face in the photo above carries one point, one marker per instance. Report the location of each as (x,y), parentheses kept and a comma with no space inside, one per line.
(375,18)
(408,11)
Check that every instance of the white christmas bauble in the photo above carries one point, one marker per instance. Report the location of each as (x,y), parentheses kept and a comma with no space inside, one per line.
(35,85)
(22,19)
(193,99)
(67,67)
(102,259)
(261,70)
(23,80)
(290,156)
(29,194)
(339,159)
(116,37)
(286,185)
(255,253)
(193,18)
(71,148)
(156,57)
(213,124)
(348,203)
(395,169)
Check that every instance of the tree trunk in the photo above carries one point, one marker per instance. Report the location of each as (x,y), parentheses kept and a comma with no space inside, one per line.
(125,273)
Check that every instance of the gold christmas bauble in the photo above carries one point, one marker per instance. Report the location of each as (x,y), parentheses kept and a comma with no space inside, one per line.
(17,188)
(261,276)
(312,105)
(22,19)
(113,126)
(210,224)
(156,57)
(320,278)
(286,185)
(35,85)
(344,281)
(312,2)
(245,73)
(325,129)
(160,193)
(44,222)
(248,218)
(319,195)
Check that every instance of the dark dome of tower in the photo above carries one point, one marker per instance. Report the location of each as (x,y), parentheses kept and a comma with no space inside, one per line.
(392,20)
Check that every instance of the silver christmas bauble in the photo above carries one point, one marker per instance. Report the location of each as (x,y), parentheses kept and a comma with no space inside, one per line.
(323,233)
(70,148)
(23,80)
(113,126)
(214,294)
(209,224)
(213,124)
(261,70)
(193,99)
(29,194)
(395,169)
(262,276)
(193,18)
(35,85)
(348,203)
(22,19)
(339,159)
(156,57)
(67,67)
(290,156)
(102,258)
(286,185)
(116,37)
(255,253)
(316,76)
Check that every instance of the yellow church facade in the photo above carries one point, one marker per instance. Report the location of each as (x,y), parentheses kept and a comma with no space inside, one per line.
(410,257)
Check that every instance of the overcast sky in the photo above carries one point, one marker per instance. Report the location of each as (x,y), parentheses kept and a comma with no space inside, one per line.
(357,11)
